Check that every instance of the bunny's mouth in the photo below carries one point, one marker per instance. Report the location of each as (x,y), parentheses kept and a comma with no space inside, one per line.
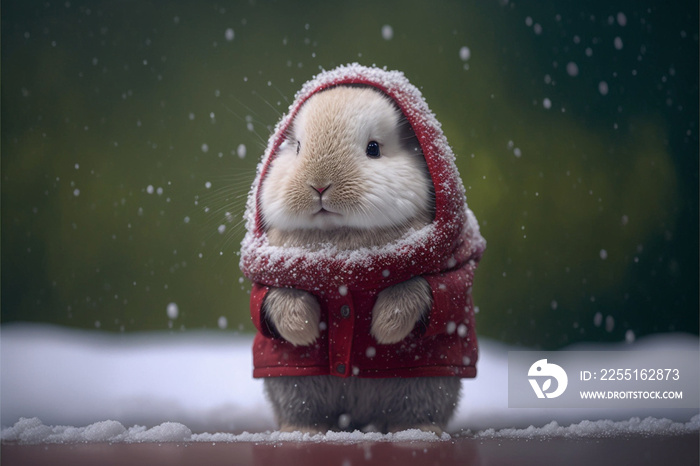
(322,212)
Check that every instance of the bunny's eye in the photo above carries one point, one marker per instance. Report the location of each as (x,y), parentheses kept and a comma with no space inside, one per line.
(298,147)
(373,149)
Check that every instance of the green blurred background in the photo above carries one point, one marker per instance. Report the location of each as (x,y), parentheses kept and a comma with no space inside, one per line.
(131,132)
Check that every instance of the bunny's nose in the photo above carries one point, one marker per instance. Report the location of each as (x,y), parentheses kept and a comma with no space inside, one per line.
(320,189)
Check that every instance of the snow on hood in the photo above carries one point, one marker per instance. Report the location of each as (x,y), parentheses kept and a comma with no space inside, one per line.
(452,238)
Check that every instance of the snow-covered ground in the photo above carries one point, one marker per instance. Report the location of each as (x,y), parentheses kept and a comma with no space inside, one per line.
(175,387)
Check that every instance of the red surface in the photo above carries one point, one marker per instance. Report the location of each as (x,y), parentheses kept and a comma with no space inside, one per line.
(677,450)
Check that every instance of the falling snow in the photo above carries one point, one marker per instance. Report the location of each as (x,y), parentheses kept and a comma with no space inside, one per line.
(621,19)
(222,323)
(462,330)
(598,319)
(387,32)
(173,311)
(609,324)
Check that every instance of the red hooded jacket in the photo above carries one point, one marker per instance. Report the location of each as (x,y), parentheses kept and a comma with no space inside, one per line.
(346,283)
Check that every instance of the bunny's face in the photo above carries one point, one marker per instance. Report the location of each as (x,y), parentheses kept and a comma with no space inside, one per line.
(350,160)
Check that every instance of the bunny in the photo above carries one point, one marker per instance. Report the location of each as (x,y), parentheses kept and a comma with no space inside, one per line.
(362,325)
(330,190)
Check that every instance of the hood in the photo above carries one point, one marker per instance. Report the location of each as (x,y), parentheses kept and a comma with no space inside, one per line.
(452,238)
